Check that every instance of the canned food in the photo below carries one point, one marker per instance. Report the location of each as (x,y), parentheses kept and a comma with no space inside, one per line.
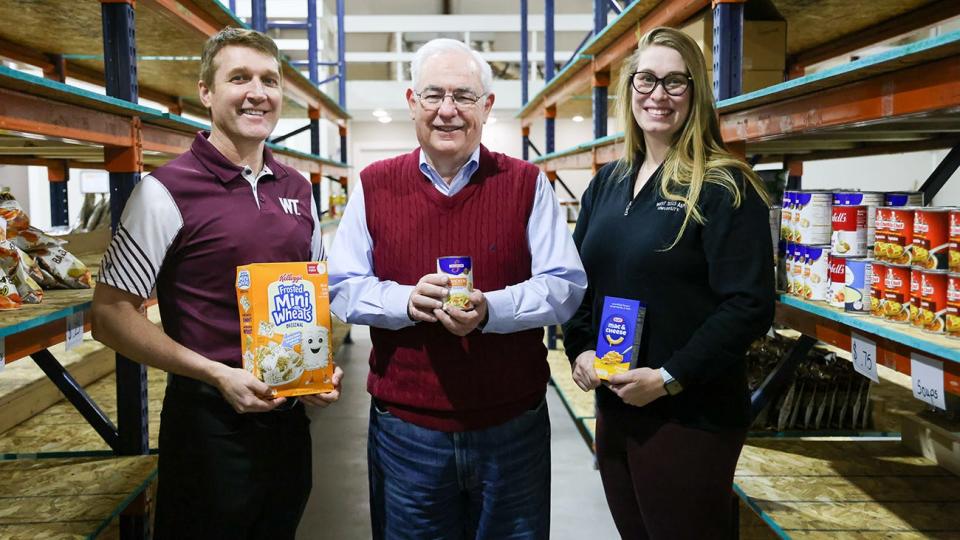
(931,237)
(804,278)
(849,225)
(953,257)
(460,271)
(786,217)
(896,293)
(878,270)
(899,233)
(817,273)
(933,301)
(880,219)
(838,280)
(856,293)
(811,217)
(903,198)
(953,305)
(796,273)
(871,199)
(915,280)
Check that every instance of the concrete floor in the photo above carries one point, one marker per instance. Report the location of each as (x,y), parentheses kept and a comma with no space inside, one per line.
(338,508)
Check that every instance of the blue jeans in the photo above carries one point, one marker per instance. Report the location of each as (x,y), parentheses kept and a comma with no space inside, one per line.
(490,483)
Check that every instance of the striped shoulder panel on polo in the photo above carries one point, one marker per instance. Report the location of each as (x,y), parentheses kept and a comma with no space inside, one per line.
(148,226)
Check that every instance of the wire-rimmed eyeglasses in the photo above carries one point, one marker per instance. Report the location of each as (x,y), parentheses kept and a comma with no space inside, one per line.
(431,99)
(674,84)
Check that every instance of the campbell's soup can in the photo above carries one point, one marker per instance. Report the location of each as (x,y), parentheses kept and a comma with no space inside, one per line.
(915,279)
(903,198)
(849,231)
(837,270)
(933,301)
(899,232)
(856,293)
(880,218)
(879,269)
(786,217)
(896,293)
(953,305)
(931,238)
(799,254)
(811,217)
(871,199)
(953,257)
(817,273)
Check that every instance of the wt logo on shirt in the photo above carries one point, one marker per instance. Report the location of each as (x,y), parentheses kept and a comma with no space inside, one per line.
(290,206)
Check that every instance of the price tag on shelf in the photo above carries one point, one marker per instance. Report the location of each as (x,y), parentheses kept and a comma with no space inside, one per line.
(927,375)
(74,330)
(864,353)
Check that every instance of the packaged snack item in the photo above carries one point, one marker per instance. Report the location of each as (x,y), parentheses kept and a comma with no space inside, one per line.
(17,219)
(9,297)
(33,238)
(619,337)
(285,326)
(460,271)
(18,268)
(64,267)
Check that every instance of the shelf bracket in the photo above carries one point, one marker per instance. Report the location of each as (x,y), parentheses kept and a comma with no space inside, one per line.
(781,375)
(938,178)
(75,394)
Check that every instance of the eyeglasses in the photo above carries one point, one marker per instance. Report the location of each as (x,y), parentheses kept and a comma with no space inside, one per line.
(431,100)
(674,84)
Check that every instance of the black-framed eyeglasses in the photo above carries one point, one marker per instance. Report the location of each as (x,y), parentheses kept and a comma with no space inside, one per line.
(431,99)
(674,84)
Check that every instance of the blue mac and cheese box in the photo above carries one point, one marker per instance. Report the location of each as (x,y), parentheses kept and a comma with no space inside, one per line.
(621,330)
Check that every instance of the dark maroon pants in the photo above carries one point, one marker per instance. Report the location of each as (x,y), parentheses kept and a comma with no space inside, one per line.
(663,480)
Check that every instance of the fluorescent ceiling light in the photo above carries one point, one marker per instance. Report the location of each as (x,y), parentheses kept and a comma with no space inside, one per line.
(577,118)
(379,112)
(384,119)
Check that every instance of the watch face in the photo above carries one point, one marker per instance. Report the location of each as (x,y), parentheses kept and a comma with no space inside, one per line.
(673,387)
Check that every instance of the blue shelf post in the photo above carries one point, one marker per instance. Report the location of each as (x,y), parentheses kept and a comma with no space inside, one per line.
(258,15)
(120,69)
(548,68)
(727,48)
(524,74)
(313,48)
(58,173)
(601,80)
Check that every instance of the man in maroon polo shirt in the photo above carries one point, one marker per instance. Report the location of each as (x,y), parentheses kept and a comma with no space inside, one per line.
(234,461)
(459,439)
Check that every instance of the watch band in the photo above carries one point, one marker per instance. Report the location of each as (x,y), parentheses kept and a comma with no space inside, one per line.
(671,385)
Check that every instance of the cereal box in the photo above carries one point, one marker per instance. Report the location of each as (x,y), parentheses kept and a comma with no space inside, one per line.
(285,326)
(621,330)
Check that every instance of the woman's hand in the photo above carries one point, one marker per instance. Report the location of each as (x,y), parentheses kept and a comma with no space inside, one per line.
(584,374)
(639,386)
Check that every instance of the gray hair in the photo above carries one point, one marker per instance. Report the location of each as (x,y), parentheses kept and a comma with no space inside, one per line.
(446,45)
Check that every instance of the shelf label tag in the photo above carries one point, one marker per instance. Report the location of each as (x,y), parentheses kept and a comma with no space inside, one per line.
(927,375)
(3,353)
(864,353)
(74,330)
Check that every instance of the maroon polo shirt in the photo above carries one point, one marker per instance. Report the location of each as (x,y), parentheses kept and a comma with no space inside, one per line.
(190,223)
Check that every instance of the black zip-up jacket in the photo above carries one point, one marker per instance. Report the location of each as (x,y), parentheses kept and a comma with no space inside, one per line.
(707,298)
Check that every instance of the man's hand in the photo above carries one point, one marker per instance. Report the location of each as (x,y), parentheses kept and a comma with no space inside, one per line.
(322,400)
(427,296)
(460,322)
(584,372)
(244,392)
(639,386)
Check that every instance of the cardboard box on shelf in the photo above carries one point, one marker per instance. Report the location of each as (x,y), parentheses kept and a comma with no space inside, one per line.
(764,42)
(755,79)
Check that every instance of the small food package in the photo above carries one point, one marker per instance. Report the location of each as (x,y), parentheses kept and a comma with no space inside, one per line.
(285,326)
(20,268)
(33,238)
(64,267)
(460,271)
(17,220)
(620,335)
(9,297)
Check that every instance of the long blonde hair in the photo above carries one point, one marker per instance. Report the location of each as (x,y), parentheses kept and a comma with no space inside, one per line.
(697,154)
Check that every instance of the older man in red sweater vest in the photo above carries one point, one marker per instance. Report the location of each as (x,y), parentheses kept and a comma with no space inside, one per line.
(459,441)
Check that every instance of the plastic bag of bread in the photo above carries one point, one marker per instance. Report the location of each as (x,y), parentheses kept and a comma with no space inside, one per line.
(9,297)
(64,266)
(17,219)
(33,238)
(18,268)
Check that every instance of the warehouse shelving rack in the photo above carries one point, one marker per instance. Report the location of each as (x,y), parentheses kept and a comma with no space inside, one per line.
(46,122)
(904,99)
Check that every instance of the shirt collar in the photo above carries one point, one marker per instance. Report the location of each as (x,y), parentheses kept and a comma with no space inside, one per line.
(224,169)
(462,176)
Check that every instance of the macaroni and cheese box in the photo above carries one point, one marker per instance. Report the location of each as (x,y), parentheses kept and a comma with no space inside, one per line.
(621,330)
(285,326)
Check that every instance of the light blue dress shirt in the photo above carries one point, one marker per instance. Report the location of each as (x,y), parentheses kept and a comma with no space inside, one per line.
(549,297)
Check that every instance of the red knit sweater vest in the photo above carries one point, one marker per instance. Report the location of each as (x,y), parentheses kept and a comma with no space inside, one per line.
(424,374)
